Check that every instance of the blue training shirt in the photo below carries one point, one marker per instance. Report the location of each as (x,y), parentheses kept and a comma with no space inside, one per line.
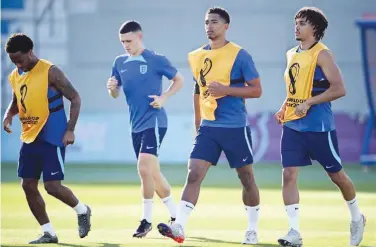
(231,111)
(54,129)
(140,77)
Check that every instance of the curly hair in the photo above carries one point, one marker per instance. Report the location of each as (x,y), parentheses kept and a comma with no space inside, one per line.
(19,42)
(317,19)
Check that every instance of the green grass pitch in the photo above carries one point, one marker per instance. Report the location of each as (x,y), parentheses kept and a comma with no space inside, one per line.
(219,218)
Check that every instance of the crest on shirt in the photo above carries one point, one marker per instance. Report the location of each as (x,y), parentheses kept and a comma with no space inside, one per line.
(143,69)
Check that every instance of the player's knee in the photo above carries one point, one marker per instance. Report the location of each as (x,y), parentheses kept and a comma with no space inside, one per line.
(144,171)
(247,179)
(52,188)
(197,170)
(338,177)
(146,165)
(29,186)
(290,175)
(194,176)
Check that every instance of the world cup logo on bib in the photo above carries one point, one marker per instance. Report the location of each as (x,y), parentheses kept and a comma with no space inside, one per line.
(204,71)
(143,69)
(293,75)
(23,92)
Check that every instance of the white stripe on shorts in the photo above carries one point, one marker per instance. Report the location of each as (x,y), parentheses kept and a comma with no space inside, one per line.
(157,137)
(58,150)
(247,140)
(332,149)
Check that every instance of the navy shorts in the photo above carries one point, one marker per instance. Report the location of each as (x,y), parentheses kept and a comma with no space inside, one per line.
(236,143)
(148,141)
(299,148)
(40,156)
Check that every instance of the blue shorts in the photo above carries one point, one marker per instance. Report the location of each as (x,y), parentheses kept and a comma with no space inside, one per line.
(41,156)
(236,143)
(148,141)
(299,148)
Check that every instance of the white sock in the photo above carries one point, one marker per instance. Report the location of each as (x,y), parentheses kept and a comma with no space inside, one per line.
(253,217)
(184,210)
(293,214)
(354,210)
(80,208)
(48,228)
(171,207)
(147,206)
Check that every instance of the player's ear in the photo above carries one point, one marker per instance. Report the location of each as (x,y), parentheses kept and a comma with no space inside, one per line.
(139,35)
(227,26)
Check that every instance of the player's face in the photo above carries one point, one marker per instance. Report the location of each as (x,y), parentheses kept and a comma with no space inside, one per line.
(131,41)
(23,61)
(215,26)
(303,29)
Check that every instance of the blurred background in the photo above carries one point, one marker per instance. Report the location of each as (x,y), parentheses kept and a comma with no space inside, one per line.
(81,37)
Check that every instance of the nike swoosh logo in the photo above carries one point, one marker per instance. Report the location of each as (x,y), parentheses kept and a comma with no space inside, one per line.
(147,147)
(327,167)
(53,173)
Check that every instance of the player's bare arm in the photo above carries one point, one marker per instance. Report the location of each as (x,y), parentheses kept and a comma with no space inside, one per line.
(336,85)
(252,91)
(57,79)
(196,105)
(281,112)
(176,84)
(333,74)
(113,88)
(11,111)
(283,106)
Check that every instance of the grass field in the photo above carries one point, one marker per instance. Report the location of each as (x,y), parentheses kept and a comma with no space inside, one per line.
(218,220)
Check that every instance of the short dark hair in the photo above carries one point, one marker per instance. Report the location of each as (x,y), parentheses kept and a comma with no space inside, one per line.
(317,19)
(19,42)
(130,26)
(221,12)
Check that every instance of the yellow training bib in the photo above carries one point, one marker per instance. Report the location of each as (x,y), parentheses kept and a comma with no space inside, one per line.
(212,66)
(299,75)
(31,90)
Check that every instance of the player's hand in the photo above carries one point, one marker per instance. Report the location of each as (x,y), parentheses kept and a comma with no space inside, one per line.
(280,115)
(7,123)
(112,83)
(68,138)
(217,89)
(158,101)
(301,109)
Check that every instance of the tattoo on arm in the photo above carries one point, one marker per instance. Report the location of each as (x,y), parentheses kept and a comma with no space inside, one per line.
(57,79)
